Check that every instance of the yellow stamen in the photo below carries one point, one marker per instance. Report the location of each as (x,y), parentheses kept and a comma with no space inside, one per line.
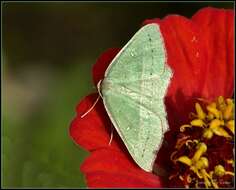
(197,123)
(202,163)
(228,111)
(221,103)
(230,125)
(207,133)
(182,128)
(196,185)
(201,149)
(212,105)
(216,128)
(229,101)
(186,160)
(210,116)
(214,121)
(230,161)
(220,171)
(200,112)
(214,184)
(221,132)
(195,170)
(214,111)
(205,177)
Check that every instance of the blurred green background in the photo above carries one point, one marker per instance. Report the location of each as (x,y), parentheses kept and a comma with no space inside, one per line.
(48,50)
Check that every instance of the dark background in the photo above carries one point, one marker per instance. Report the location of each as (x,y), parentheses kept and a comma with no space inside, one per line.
(48,50)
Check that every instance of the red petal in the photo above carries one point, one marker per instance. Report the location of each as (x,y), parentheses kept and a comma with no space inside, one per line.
(186,58)
(185,54)
(190,56)
(110,168)
(201,58)
(102,63)
(92,131)
(217,31)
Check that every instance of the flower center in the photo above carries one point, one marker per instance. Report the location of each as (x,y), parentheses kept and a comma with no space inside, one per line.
(203,155)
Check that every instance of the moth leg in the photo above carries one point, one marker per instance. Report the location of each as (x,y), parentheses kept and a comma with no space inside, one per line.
(109,144)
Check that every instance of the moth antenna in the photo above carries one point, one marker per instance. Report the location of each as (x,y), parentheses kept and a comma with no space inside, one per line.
(109,144)
(94,104)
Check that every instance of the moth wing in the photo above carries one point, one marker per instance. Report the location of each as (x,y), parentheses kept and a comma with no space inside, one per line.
(133,92)
(144,54)
(139,127)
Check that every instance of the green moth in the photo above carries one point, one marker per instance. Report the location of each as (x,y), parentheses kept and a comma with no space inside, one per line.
(133,92)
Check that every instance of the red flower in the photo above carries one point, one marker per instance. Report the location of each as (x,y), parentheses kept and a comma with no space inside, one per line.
(200,51)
